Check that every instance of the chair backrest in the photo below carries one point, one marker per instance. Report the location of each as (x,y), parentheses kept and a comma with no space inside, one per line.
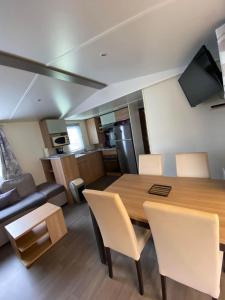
(192,165)
(150,164)
(187,245)
(113,221)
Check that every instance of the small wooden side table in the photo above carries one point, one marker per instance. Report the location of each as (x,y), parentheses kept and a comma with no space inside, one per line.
(34,233)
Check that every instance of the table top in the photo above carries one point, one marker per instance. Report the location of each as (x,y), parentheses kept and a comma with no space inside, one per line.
(30,220)
(195,193)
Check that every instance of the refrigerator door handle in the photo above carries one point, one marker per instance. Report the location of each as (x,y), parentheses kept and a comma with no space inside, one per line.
(123,140)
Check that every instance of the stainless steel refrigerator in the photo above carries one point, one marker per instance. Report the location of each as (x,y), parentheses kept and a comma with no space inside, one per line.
(125,147)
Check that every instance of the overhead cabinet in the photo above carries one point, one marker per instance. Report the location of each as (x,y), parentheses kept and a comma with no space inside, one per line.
(116,116)
(94,133)
(108,119)
(122,114)
(51,127)
(56,126)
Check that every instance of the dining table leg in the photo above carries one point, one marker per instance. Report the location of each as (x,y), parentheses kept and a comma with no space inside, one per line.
(99,240)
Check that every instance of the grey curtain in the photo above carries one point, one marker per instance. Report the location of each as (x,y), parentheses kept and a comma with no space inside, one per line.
(10,166)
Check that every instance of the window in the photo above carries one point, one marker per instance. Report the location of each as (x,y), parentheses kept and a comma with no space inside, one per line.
(75,136)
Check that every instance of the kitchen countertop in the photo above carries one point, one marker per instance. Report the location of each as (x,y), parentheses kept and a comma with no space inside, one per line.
(77,155)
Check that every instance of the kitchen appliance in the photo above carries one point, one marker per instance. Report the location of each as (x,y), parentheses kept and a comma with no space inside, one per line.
(60,140)
(109,137)
(59,150)
(125,147)
(202,78)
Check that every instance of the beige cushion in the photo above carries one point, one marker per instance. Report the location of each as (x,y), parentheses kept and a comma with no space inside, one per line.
(192,165)
(115,225)
(142,235)
(23,183)
(187,246)
(150,164)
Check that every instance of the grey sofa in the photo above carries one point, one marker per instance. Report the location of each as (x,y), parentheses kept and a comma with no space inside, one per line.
(31,196)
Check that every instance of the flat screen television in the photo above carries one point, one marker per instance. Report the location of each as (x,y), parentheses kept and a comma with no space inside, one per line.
(202,78)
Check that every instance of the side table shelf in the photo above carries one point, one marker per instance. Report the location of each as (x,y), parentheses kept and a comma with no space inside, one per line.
(33,234)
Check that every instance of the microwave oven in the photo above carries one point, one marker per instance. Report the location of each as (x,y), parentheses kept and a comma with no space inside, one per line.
(60,140)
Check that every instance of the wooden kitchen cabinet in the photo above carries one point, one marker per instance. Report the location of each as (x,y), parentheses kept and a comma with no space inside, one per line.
(47,167)
(122,114)
(94,133)
(84,168)
(110,152)
(62,170)
(96,164)
(45,135)
(111,163)
(91,167)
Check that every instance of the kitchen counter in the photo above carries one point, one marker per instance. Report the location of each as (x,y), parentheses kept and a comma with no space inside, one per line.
(56,156)
(77,155)
(93,151)
(90,166)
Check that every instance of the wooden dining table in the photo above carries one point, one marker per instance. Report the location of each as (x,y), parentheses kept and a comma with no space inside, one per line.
(195,193)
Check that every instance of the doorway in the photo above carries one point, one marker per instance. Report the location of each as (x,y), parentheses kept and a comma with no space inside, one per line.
(144,130)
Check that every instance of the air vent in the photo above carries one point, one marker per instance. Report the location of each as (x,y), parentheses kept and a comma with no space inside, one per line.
(160,190)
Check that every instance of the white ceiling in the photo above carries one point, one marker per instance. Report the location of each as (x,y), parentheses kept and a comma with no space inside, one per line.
(56,96)
(45,29)
(140,37)
(110,106)
(164,38)
(12,86)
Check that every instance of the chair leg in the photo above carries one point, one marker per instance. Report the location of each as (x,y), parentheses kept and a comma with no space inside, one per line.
(163,283)
(99,240)
(139,275)
(109,261)
(223,265)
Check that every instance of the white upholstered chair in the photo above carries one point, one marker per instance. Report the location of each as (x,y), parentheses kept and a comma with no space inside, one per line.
(116,228)
(187,246)
(150,164)
(192,165)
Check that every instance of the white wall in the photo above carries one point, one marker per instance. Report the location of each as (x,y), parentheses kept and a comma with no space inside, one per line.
(27,143)
(120,89)
(173,126)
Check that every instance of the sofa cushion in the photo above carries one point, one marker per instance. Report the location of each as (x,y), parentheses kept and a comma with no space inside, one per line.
(9,198)
(31,201)
(50,189)
(24,183)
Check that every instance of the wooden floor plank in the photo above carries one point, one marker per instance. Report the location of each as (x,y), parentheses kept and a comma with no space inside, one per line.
(71,270)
